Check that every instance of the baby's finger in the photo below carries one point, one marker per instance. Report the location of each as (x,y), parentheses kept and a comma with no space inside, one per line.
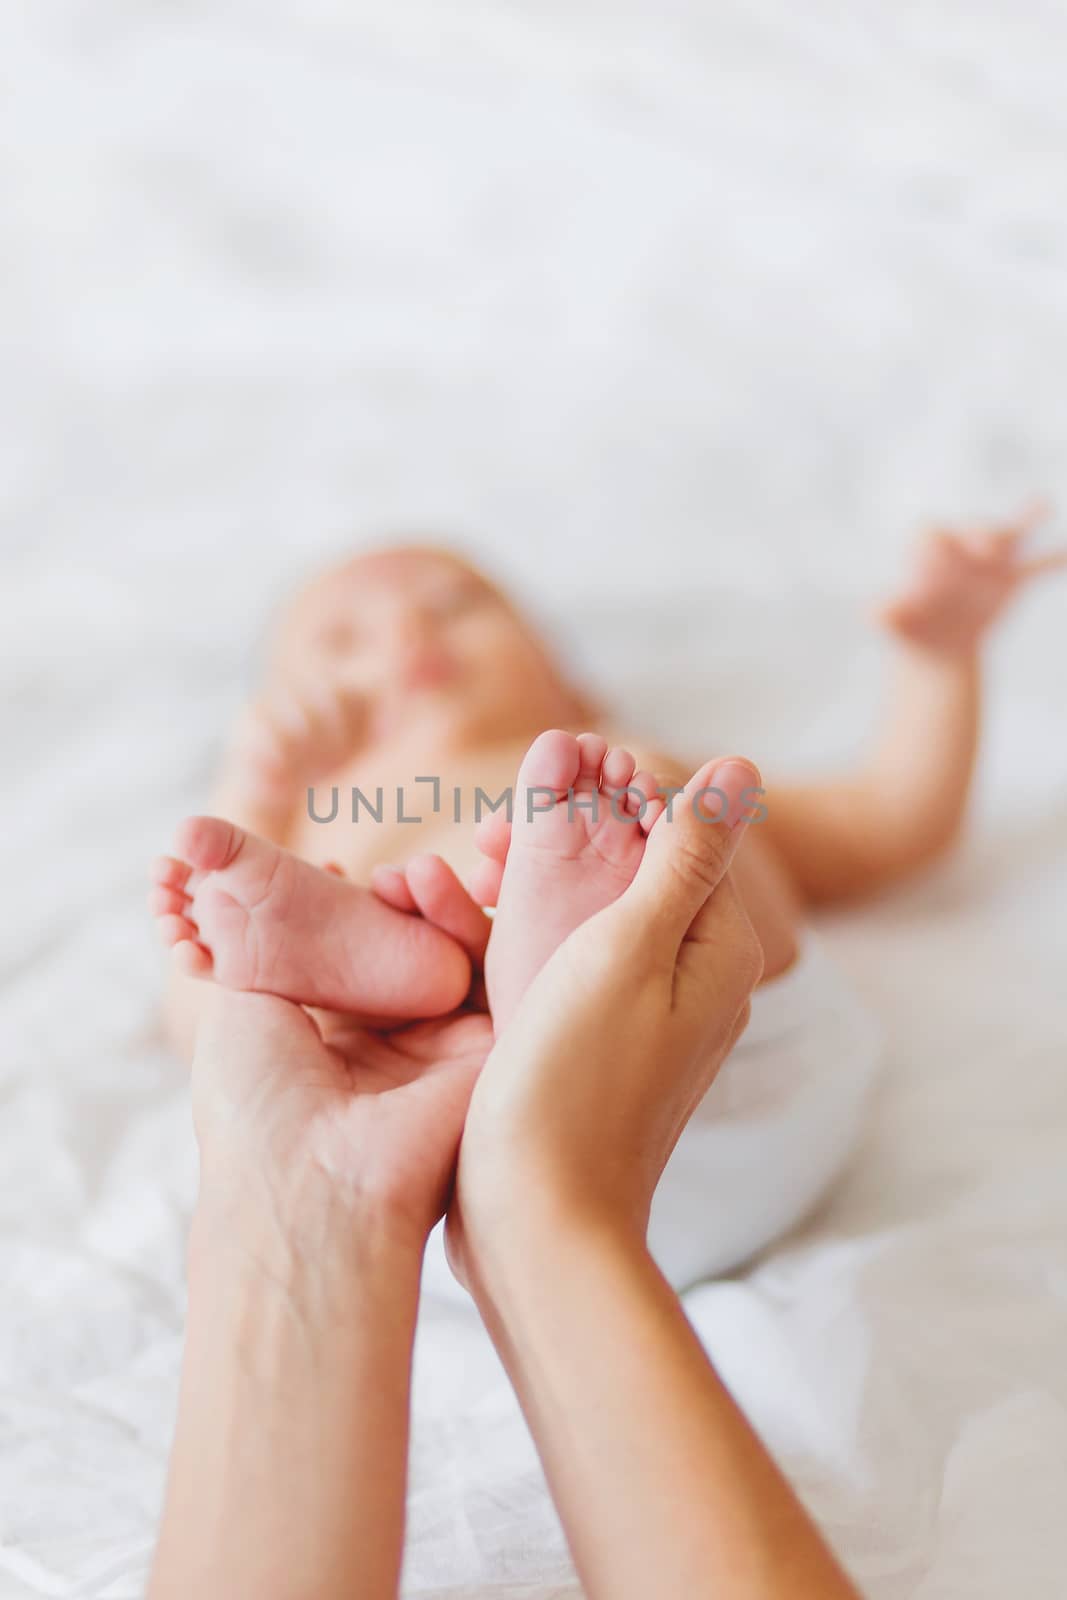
(899,615)
(260,736)
(945,546)
(291,715)
(1002,543)
(1055,561)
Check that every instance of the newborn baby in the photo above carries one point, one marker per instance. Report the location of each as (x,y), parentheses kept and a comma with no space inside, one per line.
(404,685)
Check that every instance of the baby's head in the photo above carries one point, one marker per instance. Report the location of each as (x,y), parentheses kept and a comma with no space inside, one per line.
(429,642)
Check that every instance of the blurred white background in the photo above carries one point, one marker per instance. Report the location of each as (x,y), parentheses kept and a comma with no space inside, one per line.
(638,301)
(685,318)
(626,293)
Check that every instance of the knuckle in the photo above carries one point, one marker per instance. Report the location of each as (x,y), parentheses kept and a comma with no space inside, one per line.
(700,854)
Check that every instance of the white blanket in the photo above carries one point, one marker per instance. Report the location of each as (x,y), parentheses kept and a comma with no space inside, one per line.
(682,315)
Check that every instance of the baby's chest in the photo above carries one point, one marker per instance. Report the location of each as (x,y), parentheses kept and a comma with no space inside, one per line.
(361,824)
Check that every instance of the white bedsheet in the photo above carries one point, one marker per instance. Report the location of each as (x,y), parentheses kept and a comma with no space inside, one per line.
(683,317)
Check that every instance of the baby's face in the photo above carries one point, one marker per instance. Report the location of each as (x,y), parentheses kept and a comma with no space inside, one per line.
(428,643)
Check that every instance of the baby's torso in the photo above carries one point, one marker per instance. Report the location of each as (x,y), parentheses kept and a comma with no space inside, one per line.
(364,816)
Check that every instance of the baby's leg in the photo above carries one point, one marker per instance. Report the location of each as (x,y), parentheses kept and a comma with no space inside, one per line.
(253,916)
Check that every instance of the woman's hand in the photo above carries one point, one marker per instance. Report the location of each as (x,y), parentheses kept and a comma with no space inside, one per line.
(310,1104)
(615,1043)
(660,1484)
(327,1153)
(307,1108)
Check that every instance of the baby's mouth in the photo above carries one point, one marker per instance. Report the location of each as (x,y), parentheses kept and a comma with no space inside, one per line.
(419,685)
(429,669)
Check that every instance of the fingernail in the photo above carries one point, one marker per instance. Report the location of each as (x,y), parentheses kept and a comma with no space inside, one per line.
(731,793)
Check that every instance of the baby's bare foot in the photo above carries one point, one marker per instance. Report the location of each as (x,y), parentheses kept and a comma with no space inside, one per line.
(253,916)
(581,817)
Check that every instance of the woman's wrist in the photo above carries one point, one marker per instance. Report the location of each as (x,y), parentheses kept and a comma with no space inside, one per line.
(301,1323)
(283,1225)
(514,1238)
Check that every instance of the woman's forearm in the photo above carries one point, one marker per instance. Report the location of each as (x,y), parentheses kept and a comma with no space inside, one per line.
(661,1484)
(289,1463)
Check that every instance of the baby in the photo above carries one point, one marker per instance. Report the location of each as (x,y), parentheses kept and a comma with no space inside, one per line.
(403,685)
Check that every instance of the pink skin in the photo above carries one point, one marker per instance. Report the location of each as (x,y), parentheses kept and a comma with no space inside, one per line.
(424,644)
(561,868)
(962,581)
(409,650)
(556,865)
(565,862)
(253,916)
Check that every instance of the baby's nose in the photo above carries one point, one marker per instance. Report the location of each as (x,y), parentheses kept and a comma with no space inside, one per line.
(412,626)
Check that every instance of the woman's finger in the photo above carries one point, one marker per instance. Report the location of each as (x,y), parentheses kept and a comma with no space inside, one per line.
(721,955)
(689,850)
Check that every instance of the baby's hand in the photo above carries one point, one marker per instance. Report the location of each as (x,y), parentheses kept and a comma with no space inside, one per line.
(963,581)
(291,740)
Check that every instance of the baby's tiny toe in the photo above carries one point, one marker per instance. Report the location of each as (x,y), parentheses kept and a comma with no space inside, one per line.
(492,835)
(169,872)
(192,959)
(641,790)
(209,843)
(163,901)
(551,762)
(652,813)
(443,900)
(592,749)
(173,928)
(483,885)
(655,805)
(618,769)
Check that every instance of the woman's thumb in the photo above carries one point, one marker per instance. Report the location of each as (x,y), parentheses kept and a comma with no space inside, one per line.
(690,847)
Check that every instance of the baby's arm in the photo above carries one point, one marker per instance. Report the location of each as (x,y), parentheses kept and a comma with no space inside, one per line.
(283,743)
(905,806)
